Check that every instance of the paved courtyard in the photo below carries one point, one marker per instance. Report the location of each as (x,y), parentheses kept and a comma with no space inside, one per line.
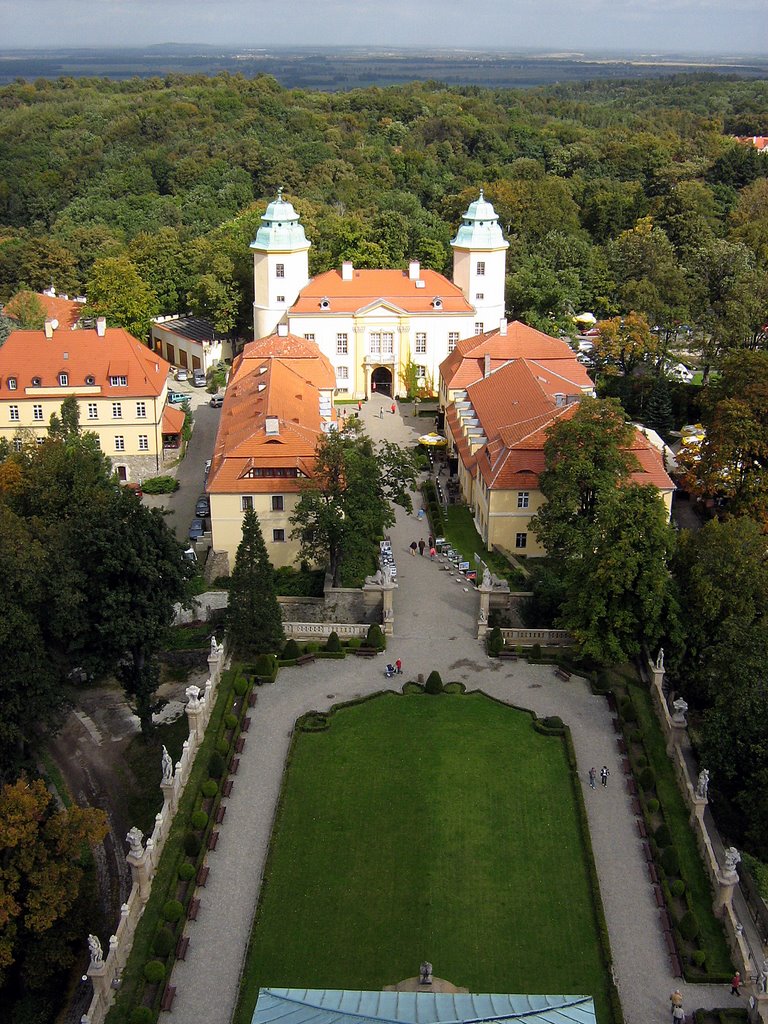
(435,619)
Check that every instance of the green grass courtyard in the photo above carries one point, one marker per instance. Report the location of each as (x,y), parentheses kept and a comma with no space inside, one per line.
(428,827)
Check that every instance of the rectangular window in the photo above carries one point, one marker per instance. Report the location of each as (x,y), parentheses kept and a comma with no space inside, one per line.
(421,342)
(143,442)
(119,443)
(479,295)
(522,499)
(309,337)
(117,410)
(63,380)
(278,536)
(453,340)
(421,371)
(481,268)
(280,298)
(342,391)
(342,344)
(342,372)
(40,440)
(387,343)
(279,270)
(119,382)
(246,503)
(478,327)
(11,383)
(141,410)
(13,412)
(521,540)
(17,444)
(277,503)
(93,411)
(37,412)
(374,343)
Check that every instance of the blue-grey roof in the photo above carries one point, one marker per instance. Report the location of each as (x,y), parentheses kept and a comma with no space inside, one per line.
(479,228)
(337,1006)
(281,230)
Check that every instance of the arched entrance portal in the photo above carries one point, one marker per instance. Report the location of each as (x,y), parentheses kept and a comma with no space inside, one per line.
(381,381)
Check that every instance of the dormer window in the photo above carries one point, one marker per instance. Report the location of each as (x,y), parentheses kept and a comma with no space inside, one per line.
(12,383)
(118,382)
(90,380)
(63,380)
(437,302)
(36,382)
(325,303)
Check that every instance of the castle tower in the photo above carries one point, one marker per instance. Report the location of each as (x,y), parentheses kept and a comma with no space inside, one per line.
(479,262)
(280,265)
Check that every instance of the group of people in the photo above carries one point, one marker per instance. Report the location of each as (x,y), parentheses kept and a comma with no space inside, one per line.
(604,773)
(423,545)
(676,999)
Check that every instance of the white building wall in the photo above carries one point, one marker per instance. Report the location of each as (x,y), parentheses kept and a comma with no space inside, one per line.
(275,295)
(489,284)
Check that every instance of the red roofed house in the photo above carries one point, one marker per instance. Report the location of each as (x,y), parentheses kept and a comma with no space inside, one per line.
(278,403)
(66,311)
(502,391)
(371,324)
(120,386)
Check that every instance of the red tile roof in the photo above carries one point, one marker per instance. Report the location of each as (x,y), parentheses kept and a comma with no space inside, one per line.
(173,420)
(66,311)
(81,354)
(367,287)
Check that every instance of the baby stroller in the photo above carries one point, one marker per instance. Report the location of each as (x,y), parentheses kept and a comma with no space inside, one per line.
(389,671)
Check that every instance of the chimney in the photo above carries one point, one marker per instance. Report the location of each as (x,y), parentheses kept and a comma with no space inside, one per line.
(101,326)
(48,327)
(282,330)
(347,270)
(414,270)
(503,326)
(487,365)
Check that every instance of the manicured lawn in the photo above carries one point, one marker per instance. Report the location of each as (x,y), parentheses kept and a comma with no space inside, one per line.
(460,531)
(420,827)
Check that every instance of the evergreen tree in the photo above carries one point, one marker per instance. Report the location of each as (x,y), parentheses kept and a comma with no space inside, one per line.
(659,411)
(254,620)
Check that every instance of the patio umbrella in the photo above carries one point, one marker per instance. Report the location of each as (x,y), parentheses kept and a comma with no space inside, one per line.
(433,440)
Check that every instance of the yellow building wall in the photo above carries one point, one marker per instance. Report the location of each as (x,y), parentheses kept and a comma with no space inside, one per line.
(506,520)
(227,525)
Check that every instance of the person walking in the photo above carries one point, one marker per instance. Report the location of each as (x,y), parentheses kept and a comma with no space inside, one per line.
(393,408)
(431,541)
(676,1001)
(422,545)
(432,552)
(359,405)
(735,984)
(678,1014)
(414,545)
(604,773)
(592,777)
(381,412)
(399,667)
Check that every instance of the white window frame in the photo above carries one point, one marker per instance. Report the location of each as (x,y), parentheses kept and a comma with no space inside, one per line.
(63,380)
(93,411)
(309,337)
(453,340)
(374,343)
(342,344)
(479,327)
(119,442)
(143,442)
(246,503)
(280,499)
(279,270)
(342,373)
(480,296)
(12,384)
(480,269)
(275,538)
(141,410)
(13,413)
(279,298)
(387,343)
(118,382)
(421,371)
(37,412)
(523,499)
(117,410)
(421,343)
(521,541)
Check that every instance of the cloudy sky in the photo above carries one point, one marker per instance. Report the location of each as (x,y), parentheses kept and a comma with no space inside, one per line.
(659,26)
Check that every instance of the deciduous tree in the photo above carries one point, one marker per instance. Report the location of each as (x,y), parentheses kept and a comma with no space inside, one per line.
(117,292)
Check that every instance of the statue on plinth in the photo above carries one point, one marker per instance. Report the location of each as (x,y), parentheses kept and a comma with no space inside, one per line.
(193,696)
(214,648)
(681,710)
(425,973)
(487,580)
(660,660)
(94,948)
(167,765)
(377,580)
(762,981)
(732,858)
(134,839)
(702,784)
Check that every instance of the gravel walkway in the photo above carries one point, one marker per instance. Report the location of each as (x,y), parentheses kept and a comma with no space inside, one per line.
(435,620)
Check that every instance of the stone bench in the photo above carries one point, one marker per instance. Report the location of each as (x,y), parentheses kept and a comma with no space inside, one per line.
(669,939)
(251,700)
(666,923)
(365,652)
(616,725)
(677,968)
(168,996)
(631,787)
(625,766)
(621,744)
(202,875)
(647,853)
(181,948)
(305,659)
(194,907)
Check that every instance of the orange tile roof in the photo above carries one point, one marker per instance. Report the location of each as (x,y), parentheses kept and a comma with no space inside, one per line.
(371,286)
(173,420)
(276,377)
(66,311)
(81,354)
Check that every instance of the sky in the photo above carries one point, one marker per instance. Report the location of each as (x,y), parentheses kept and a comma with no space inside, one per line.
(652,26)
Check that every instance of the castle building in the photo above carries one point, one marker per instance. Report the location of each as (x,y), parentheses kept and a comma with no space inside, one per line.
(374,325)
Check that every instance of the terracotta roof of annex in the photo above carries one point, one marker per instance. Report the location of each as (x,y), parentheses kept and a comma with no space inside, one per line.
(84,354)
(66,311)
(369,287)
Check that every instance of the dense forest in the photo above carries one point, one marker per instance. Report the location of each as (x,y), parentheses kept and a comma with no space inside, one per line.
(615,196)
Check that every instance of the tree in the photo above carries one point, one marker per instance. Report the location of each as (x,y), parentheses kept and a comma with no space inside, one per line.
(648,275)
(619,592)
(27,310)
(117,292)
(586,458)
(624,342)
(6,327)
(254,622)
(40,864)
(347,504)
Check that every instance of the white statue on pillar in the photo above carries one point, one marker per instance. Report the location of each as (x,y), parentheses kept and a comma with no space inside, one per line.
(193,696)
(762,981)
(215,648)
(681,709)
(702,784)
(660,660)
(487,581)
(732,858)
(134,839)
(167,764)
(94,947)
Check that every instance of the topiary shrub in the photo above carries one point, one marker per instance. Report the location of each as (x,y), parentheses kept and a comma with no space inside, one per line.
(209,788)
(670,861)
(192,844)
(164,940)
(265,666)
(333,644)
(689,926)
(354,643)
(216,765)
(222,746)
(647,779)
(199,819)
(154,971)
(700,957)
(553,722)
(186,871)
(375,637)
(172,910)
(434,683)
(495,642)
(142,1015)
(291,650)
(230,721)
(536,652)
(663,836)
(677,888)
(628,712)
(652,805)
(240,686)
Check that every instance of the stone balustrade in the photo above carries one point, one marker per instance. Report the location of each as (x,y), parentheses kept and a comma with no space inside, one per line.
(544,637)
(322,630)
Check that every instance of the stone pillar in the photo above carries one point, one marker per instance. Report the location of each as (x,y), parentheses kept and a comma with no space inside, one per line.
(97,972)
(698,806)
(214,660)
(758,1008)
(484,610)
(139,859)
(388,611)
(195,713)
(169,796)
(726,883)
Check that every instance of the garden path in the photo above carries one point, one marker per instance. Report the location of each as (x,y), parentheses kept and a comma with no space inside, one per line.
(434,629)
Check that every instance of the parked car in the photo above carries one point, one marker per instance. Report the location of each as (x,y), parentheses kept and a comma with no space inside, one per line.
(198,378)
(181,374)
(203,506)
(216,402)
(135,488)
(196,529)
(207,469)
(177,397)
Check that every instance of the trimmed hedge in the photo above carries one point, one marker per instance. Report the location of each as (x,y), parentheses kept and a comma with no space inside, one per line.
(186,873)
(154,971)
(333,644)
(670,861)
(164,941)
(172,909)
(209,788)
(199,819)
(142,1015)
(216,765)
(434,683)
(375,637)
(689,926)
(192,844)
(291,651)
